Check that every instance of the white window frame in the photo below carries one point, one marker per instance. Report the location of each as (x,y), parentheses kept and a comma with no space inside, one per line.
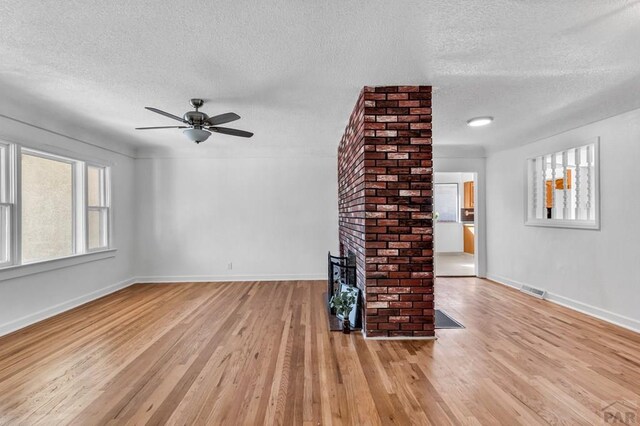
(10,196)
(104,209)
(8,200)
(77,171)
(592,224)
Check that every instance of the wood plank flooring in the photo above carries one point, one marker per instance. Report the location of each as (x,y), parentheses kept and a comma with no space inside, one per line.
(260,353)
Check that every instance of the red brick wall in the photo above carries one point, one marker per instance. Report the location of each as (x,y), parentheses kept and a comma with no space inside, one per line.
(389,221)
(351,189)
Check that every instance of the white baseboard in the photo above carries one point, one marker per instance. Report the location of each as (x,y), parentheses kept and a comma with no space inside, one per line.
(505,281)
(227,278)
(10,327)
(602,314)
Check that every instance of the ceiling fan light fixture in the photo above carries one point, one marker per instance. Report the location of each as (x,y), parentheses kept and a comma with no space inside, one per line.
(196,135)
(479,121)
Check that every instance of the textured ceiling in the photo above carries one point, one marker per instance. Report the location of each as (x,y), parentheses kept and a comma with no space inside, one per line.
(293,69)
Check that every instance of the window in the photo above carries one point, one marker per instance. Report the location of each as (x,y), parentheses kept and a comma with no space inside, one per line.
(50,206)
(563,188)
(97,208)
(6,204)
(47,218)
(446,202)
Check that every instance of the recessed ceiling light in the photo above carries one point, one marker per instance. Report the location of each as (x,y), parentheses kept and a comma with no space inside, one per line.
(479,121)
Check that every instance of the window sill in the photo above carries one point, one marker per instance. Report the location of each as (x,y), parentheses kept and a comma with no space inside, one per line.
(16,271)
(569,224)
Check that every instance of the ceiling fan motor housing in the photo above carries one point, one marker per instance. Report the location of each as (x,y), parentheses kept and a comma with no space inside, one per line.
(195,118)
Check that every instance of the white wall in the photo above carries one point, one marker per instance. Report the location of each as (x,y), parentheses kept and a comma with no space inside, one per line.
(594,271)
(272,218)
(30,298)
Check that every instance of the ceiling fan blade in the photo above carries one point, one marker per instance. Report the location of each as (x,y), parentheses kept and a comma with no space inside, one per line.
(166,114)
(232,132)
(223,118)
(162,127)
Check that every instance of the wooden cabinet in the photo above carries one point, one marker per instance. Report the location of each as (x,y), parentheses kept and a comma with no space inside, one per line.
(469,238)
(469,195)
(468,230)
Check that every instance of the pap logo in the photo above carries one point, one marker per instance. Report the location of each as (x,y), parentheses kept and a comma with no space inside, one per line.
(620,413)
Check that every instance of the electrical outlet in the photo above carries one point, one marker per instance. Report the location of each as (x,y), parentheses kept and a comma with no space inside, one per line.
(230,265)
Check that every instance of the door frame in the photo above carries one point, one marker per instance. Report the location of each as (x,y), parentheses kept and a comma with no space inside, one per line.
(477,167)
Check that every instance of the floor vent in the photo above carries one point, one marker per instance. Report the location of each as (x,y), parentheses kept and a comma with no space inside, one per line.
(536,292)
(445,321)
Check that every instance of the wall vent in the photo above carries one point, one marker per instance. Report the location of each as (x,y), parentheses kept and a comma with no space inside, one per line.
(536,292)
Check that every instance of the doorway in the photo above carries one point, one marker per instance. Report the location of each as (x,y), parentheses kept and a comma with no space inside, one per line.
(455,224)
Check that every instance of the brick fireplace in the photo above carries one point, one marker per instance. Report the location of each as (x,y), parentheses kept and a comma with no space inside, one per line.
(385,208)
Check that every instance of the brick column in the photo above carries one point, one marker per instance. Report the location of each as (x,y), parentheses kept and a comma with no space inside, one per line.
(396,204)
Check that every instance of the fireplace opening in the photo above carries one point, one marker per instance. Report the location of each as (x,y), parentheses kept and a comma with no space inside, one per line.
(342,277)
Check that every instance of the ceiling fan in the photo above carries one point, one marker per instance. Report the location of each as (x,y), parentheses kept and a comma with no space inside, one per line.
(199,125)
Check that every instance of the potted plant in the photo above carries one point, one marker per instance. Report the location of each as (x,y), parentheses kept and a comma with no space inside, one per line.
(343,303)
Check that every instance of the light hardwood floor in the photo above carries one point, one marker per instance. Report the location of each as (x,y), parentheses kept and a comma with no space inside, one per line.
(253,353)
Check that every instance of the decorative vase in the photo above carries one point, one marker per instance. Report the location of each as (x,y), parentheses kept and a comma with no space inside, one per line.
(346,326)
